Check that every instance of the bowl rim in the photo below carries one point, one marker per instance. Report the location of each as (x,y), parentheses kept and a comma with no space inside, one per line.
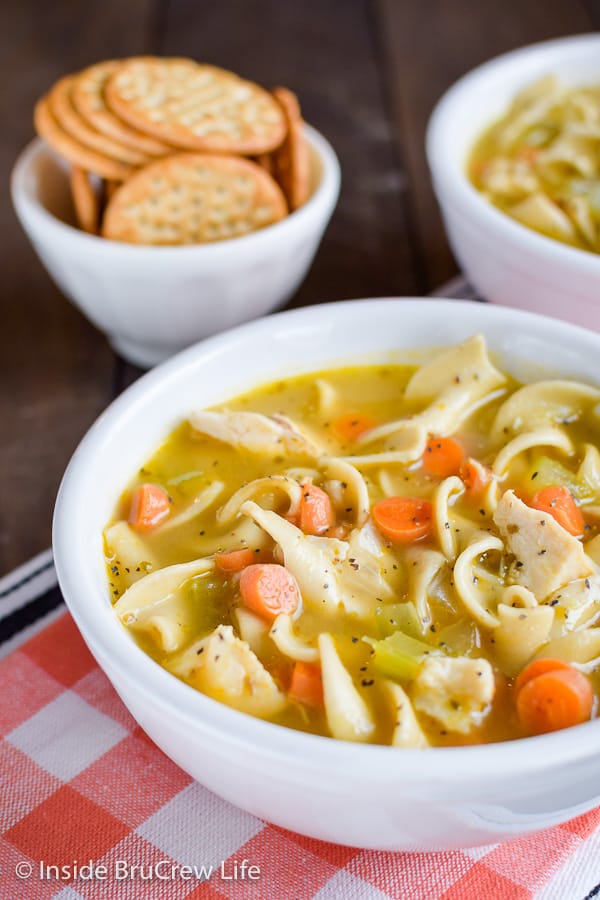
(28,205)
(450,176)
(114,648)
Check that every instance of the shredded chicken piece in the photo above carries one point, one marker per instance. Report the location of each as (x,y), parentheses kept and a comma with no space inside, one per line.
(224,667)
(269,435)
(454,691)
(546,556)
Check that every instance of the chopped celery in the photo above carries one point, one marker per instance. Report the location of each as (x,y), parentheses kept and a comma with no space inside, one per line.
(547,472)
(206,600)
(400,617)
(399,655)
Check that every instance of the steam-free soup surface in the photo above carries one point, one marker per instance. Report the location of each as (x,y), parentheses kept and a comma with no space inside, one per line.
(378,553)
(540,162)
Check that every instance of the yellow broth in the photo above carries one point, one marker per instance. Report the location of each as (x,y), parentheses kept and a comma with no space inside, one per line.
(188,462)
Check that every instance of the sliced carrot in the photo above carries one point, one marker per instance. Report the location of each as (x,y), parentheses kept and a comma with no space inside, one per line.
(149,506)
(559,503)
(556,699)
(307,684)
(442,457)
(269,589)
(475,476)
(403,519)
(350,426)
(316,514)
(539,667)
(235,560)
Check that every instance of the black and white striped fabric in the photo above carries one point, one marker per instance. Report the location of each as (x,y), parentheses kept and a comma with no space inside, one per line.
(30,597)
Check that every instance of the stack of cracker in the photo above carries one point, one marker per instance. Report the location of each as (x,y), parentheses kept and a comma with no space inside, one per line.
(168,151)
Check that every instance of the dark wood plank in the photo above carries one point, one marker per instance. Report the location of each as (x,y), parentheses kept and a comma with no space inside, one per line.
(325,50)
(593,9)
(56,370)
(426,47)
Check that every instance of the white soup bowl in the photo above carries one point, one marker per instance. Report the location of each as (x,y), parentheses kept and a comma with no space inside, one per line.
(360,795)
(505,261)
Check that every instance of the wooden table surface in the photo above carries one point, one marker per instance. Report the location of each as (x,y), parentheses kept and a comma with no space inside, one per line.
(368,73)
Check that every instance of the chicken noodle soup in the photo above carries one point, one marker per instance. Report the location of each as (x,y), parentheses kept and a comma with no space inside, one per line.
(541,162)
(392,554)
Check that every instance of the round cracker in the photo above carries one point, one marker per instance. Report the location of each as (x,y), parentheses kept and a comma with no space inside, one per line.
(85,200)
(195,107)
(88,99)
(192,198)
(48,128)
(61,107)
(290,162)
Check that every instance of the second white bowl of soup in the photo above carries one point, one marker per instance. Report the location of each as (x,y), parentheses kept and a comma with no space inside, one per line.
(372,539)
(507,261)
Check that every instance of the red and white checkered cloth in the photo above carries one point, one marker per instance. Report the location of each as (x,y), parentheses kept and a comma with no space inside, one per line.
(81,782)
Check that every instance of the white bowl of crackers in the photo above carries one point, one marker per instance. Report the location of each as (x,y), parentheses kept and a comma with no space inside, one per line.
(170,200)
